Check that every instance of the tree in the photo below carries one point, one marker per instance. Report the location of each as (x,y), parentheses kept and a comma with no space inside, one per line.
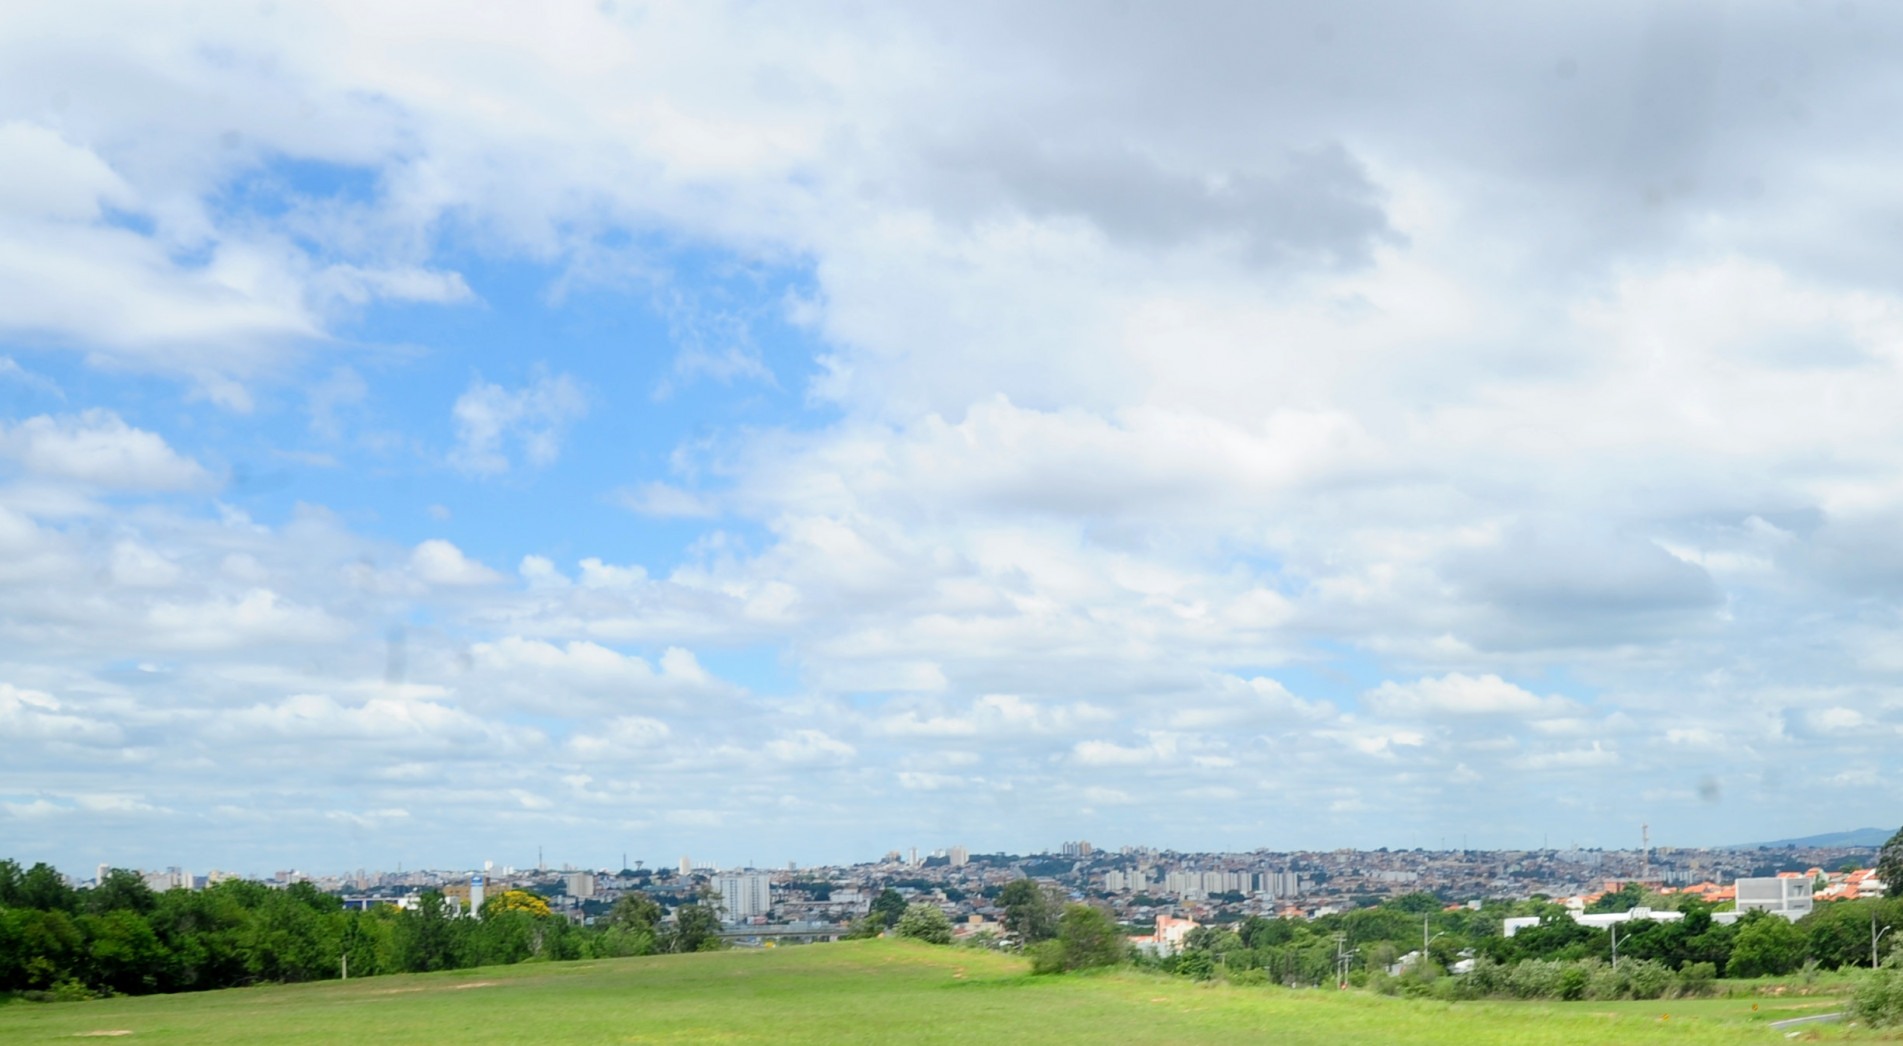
(887,907)
(1889,866)
(696,929)
(122,952)
(1088,938)
(425,940)
(121,890)
(44,888)
(1624,899)
(1766,945)
(521,901)
(924,921)
(632,926)
(1030,911)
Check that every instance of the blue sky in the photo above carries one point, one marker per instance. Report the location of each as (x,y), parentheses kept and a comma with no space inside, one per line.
(769,435)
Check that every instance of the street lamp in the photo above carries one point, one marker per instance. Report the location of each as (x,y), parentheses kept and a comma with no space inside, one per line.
(1875,935)
(1426,940)
(1614,928)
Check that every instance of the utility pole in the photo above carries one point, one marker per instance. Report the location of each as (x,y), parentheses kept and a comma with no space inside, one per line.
(1874,935)
(1341,959)
(1615,944)
(346,975)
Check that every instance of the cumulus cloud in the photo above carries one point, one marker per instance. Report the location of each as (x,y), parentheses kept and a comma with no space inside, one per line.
(99,449)
(438,562)
(494,424)
(1116,451)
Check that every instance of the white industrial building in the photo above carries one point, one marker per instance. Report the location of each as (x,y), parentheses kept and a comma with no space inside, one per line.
(1597,920)
(1786,895)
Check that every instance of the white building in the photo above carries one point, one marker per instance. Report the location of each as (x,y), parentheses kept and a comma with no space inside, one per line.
(579,885)
(959,856)
(1597,920)
(744,895)
(1282,884)
(1786,895)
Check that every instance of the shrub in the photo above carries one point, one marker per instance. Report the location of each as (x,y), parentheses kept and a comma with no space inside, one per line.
(1245,976)
(1646,978)
(1088,938)
(924,921)
(1046,957)
(1697,978)
(1879,998)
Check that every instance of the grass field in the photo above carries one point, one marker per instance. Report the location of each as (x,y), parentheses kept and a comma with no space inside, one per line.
(864,991)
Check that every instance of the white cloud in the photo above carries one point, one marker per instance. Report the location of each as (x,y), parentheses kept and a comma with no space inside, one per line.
(31,715)
(808,747)
(490,420)
(99,449)
(1133,444)
(438,562)
(1457,694)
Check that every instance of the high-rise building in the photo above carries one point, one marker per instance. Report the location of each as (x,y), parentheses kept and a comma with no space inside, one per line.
(687,866)
(744,895)
(959,856)
(580,885)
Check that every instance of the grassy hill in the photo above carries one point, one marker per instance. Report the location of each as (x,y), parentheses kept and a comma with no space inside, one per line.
(866,991)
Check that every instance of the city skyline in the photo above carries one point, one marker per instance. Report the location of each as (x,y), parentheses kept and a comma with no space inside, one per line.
(751,432)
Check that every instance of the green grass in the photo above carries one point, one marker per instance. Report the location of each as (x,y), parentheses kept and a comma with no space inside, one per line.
(864,991)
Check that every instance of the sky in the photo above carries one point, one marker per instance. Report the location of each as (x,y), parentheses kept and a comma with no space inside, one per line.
(434,432)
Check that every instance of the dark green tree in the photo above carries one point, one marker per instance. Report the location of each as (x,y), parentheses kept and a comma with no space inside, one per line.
(1766,946)
(44,888)
(120,890)
(632,927)
(425,940)
(1088,938)
(1889,866)
(887,907)
(696,929)
(1031,912)
(1624,899)
(122,952)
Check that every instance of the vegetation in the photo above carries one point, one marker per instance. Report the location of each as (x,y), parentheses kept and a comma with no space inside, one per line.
(121,937)
(1879,999)
(924,921)
(1889,864)
(1086,939)
(871,991)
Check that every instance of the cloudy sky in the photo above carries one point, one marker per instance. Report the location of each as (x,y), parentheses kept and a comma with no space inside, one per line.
(768,432)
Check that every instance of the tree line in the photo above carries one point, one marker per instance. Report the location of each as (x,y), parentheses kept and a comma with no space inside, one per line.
(122,937)
(1656,956)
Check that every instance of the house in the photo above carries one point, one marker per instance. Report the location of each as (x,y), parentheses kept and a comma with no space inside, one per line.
(1168,938)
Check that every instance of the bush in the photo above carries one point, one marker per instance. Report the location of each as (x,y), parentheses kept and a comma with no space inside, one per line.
(1697,978)
(1879,998)
(924,921)
(1046,957)
(1197,965)
(1245,976)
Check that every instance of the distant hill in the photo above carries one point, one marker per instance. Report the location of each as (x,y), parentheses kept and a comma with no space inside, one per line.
(1871,837)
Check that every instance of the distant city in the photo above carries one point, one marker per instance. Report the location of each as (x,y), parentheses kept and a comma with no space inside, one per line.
(1136,883)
